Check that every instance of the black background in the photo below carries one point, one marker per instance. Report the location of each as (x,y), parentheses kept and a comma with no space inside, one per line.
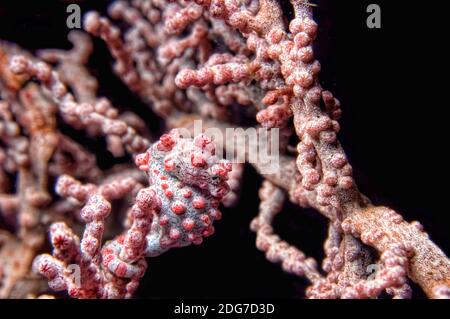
(393,86)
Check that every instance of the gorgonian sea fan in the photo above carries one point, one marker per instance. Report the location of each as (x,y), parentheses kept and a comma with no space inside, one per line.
(217,61)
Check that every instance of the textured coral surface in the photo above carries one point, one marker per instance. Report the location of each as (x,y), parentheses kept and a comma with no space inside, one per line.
(101,192)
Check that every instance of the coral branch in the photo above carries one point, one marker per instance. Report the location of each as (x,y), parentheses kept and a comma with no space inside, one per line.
(277,250)
(247,65)
(79,115)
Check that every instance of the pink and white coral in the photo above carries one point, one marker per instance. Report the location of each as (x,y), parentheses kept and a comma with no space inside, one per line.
(187,183)
(190,181)
(220,61)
